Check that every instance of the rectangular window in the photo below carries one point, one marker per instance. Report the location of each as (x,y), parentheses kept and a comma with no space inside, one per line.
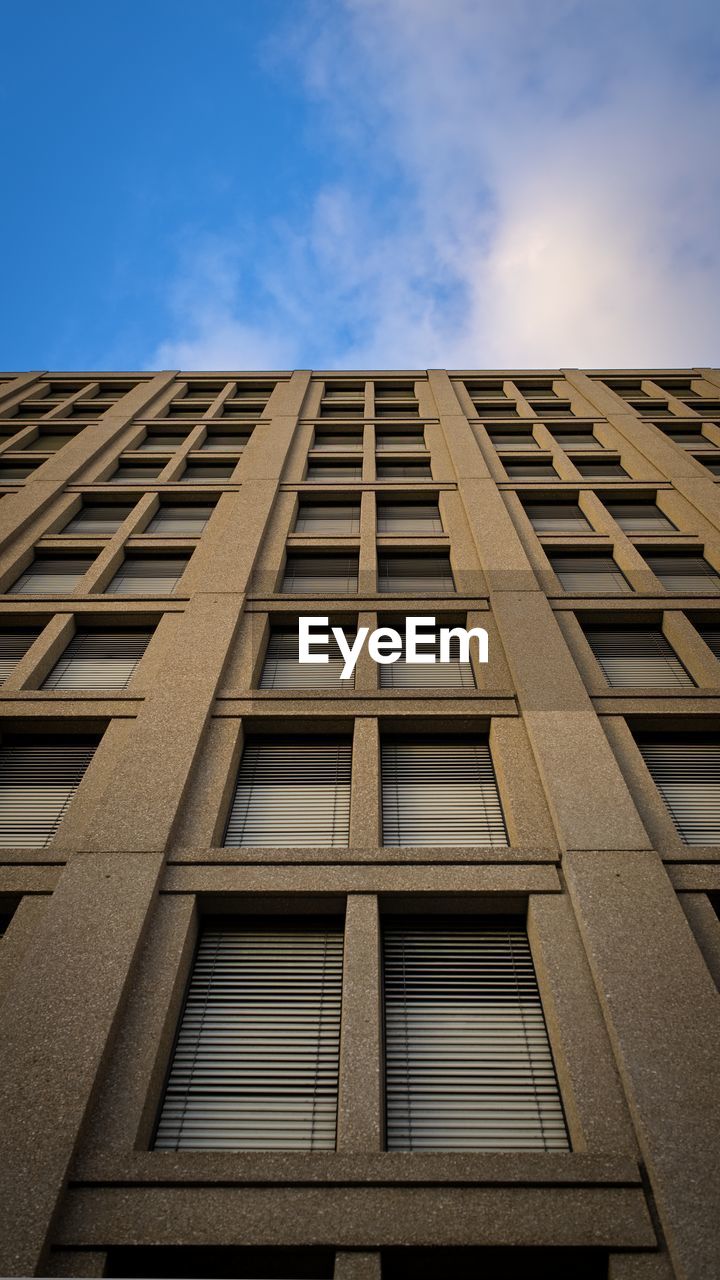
(400,571)
(711,464)
(99,660)
(586,573)
(577,439)
(489,410)
(37,782)
(529,470)
(51,575)
(11,473)
(255,1065)
(427,675)
(334,574)
(710,634)
(394,441)
(687,774)
(513,440)
(292,793)
(161,442)
(48,441)
(329,471)
(554,408)
(687,438)
(409,470)
(637,656)
(639,517)
(591,469)
(283,670)
(468,1059)
(13,646)
(224,442)
(178,520)
(408,517)
(98,518)
(338,441)
(148,575)
(135,472)
(683,570)
(557,517)
(207,472)
(328,517)
(440,793)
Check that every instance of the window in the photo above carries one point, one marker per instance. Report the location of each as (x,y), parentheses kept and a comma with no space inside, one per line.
(687,437)
(393,441)
(554,408)
(410,470)
(529,470)
(292,793)
(282,670)
(578,438)
(494,409)
(224,442)
(328,517)
(427,675)
(341,409)
(100,519)
(637,656)
(51,575)
(710,634)
(181,519)
(596,469)
(408,571)
(13,473)
(639,517)
(99,660)
(581,573)
(135,472)
(686,772)
(161,441)
(707,408)
(37,782)
(147,575)
(338,441)
(557,517)
(332,573)
(408,517)
(48,441)
(326,471)
(255,1065)
(711,464)
(682,570)
(468,1060)
(207,472)
(440,793)
(13,646)
(513,440)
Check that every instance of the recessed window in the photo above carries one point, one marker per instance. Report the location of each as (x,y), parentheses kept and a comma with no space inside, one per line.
(688,437)
(13,646)
(494,410)
(577,438)
(161,442)
(513,440)
(292,793)
(686,772)
(99,660)
(639,517)
(224,442)
(48,442)
(335,574)
(396,441)
(440,792)
(51,575)
(327,471)
(136,472)
(711,464)
(408,517)
(14,473)
(582,572)
(710,633)
(176,520)
(409,470)
(338,441)
(340,409)
(147,575)
(98,518)
(637,656)
(521,470)
(557,517)
(335,518)
(409,572)
(683,570)
(207,472)
(38,779)
(426,675)
(282,668)
(550,408)
(596,469)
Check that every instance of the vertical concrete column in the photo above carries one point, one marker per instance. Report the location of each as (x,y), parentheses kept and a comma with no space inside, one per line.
(663,1015)
(360,1120)
(365,794)
(357,1265)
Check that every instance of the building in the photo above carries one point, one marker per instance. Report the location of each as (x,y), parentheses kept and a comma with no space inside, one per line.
(449,936)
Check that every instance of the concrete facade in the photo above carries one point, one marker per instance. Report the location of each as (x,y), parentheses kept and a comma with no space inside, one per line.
(622,915)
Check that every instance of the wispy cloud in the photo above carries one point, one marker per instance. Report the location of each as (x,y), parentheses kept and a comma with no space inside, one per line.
(531,184)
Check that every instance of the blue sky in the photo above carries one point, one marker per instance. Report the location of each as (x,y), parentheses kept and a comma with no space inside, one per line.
(360,183)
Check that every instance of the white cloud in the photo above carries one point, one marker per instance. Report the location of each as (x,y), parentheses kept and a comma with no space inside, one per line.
(553,196)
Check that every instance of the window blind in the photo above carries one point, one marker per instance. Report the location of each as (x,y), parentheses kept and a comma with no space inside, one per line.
(13,646)
(687,775)
(576,440)
(255,1065)
(424,675)
(580,573)
(326,572)
(597,470)
(639,517)
(100,519)
(711,636)
(399,440)
(338,440)
(49,442)
(37,784)
(557,517)
(683,571)
(99,660)
(207,472)
(51,575)
(440,793)
(178,520)
(688,439)
(328,517)
(403,470)
(513,440)
(468,1061)
(529,470)
(161,443)
(635,656)
(148,575)
(334,471)
(134,473)
(283,670)
(292,793)
(216,442)
(428,572)
(408,517)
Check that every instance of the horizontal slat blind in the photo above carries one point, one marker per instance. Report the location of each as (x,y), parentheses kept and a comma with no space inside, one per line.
(148,575)
(513,440)
(134,473)
(51,575)
(637,657)
(37,784)
(282,670)
(683,572)
(551,517)
(292,793)
(687,775)
(580,573)
(711,636)
(639,516)
(440,793)
(426,675)
(256,1061)
(98,520)
(180,520)
(99,660)
(468,1061)
(13,646)
(403,470)
(331,573)
(334,471)
(328,517)
(408,517)
(414,573)
(577,440)
(207,472)
(399,440)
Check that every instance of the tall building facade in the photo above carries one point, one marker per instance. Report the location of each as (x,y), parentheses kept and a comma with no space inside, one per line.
(408,974)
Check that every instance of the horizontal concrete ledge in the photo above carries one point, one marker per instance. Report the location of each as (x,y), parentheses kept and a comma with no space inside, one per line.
(445,882)
(392,856)
(29,879)
(700,877)
(370,705)
(356,1217)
